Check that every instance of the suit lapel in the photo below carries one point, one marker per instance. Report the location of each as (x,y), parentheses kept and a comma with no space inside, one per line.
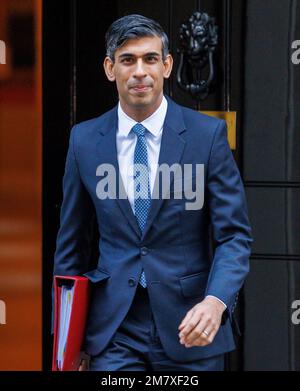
(107,154)
(171,150)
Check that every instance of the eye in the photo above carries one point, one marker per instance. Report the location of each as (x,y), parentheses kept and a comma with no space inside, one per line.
(152,59)
(127,60)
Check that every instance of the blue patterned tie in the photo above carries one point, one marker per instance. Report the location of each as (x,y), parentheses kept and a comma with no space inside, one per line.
(142,196)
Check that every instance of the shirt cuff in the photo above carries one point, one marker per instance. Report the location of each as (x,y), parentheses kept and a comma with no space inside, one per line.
(218,300)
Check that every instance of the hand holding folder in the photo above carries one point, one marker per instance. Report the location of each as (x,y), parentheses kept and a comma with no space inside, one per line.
(71,301)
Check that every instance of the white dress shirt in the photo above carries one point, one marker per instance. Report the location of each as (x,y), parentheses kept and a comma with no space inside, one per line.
(126,141)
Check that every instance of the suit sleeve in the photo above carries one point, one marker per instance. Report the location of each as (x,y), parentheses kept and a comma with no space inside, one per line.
(73,243)
(230,224)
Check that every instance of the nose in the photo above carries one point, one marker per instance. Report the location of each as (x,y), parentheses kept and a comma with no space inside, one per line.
(140,71)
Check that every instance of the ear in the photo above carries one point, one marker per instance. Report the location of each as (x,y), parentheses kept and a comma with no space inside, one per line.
(109,69)
(168,65)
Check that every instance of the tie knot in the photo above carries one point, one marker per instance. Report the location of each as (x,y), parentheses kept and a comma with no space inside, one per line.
(139,129)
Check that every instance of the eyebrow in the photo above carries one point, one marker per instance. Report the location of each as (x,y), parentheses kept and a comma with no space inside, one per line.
(132,55)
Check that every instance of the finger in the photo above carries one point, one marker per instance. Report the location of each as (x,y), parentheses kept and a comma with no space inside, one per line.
(198,342)
(204,339)
(197,332)
(82,366)
(191,324)
(186,319)
(212,334)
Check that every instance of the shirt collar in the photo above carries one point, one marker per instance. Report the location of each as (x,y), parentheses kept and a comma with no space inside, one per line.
(153,123)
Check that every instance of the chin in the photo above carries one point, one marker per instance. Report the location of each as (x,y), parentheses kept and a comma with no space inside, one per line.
(142,101)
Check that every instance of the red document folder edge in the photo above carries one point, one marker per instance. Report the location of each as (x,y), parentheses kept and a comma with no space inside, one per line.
(78,318)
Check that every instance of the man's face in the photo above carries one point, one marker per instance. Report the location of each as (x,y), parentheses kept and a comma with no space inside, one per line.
(139,72)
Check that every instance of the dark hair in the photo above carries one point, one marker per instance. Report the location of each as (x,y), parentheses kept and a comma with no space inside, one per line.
(131,27)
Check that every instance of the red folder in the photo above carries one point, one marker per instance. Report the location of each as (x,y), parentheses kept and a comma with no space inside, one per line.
(78,317)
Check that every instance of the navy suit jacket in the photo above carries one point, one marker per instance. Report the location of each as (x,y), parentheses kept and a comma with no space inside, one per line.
(180,265)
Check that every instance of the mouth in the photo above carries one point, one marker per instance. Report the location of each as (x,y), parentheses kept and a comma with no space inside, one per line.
(141,88)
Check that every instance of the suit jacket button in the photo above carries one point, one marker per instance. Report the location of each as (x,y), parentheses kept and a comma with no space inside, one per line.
(131,282)
(144,250)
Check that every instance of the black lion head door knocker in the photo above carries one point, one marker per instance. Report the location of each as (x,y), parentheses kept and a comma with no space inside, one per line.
(198,41)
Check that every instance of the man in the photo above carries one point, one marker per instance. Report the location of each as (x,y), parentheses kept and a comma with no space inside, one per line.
(162,299)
